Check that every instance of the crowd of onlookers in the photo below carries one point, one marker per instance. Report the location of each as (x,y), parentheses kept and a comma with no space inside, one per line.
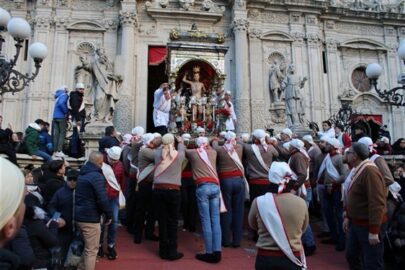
(64,205)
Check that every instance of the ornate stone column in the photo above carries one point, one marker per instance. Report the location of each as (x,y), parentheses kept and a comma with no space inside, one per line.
(242,98)
(257,88)
(123,117)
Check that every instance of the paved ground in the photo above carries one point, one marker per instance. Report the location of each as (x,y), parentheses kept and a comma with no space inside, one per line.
(144,256)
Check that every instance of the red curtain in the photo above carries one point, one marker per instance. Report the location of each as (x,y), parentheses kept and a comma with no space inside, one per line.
(376,118)
(157,55)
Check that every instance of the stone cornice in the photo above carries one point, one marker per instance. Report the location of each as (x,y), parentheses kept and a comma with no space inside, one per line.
(181,15)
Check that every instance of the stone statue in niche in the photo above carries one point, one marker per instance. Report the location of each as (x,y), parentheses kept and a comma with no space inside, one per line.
(294,99)
(102,86)
(277,74)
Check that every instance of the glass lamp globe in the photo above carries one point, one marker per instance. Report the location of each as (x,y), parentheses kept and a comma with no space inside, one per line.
(4,18)
(373,71)
(19,28)
(38,51)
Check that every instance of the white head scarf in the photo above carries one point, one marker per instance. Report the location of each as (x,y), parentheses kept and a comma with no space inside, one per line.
(260,134)
(114,152)
(202,142)
(12,189)
(280,174)
(287,132)
(309,139)
(138,131)
(367,141)
(186,137)
(147,138)
(126,139)
(299,145)
(168,151)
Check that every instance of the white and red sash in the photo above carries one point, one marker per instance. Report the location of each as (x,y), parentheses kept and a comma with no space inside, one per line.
(230,150)
(112,182)
(270,215)
(259,157)
(145,172)
(330,168)
(358,170)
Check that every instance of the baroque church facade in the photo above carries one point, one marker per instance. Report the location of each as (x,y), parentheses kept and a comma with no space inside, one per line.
(329,42)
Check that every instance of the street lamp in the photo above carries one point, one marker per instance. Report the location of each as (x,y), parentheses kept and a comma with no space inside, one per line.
(394,96)
(12,80)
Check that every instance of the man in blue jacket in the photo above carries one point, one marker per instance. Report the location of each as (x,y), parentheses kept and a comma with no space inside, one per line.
(91,202)
(59,121)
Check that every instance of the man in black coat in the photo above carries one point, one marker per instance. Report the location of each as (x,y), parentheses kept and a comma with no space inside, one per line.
(62,202)
(77,106)
(91,202)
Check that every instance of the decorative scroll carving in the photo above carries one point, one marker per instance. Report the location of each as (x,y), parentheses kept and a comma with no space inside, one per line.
(186,4)
(196,35)
(42,22)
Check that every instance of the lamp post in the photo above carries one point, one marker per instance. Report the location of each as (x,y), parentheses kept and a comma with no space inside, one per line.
(394,96)
(12,80)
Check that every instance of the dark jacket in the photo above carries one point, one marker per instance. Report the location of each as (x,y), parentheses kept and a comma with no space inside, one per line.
(5,146)
(52,184)
(107,142)
(75,101)
(21,246)
(8,260)
(60,109)
(45,141)
(62,201)
(42,239)
(91,196)
(31,140)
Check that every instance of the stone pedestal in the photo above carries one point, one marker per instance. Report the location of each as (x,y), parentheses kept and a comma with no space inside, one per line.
(94,132)
(300,130)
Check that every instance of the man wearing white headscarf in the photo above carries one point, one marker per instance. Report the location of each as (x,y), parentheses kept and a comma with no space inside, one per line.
(258,157)
(280,220)
(320,187)
(12,208)
(378,160)
(132,157)
(144,204)
(286,136)
(113,171)
(166,194)
(204,169)
(188,188)
(232,178)
(299,164)
(334,173)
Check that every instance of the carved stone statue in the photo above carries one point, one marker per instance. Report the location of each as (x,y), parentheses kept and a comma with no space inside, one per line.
(292,86)
(105,87)
(101,86)
(275,78)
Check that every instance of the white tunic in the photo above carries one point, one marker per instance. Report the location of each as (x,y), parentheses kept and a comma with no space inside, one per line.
(230,122)
(161,109)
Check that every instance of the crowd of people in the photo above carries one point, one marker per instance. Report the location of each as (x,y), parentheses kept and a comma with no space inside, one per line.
(56,217)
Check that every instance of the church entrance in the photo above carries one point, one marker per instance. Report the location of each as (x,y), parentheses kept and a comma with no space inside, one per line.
(156,76)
